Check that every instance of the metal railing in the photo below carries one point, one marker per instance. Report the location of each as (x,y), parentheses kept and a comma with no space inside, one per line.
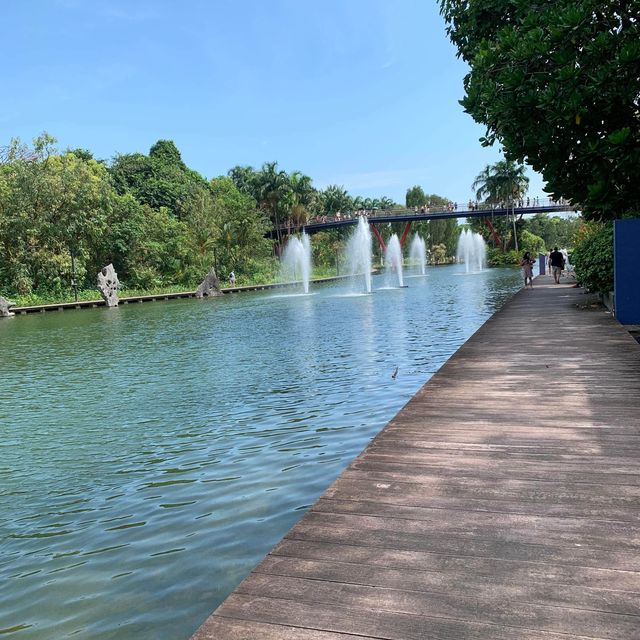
(523,205)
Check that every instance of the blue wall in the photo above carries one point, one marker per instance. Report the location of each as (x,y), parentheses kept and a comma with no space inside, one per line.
(626,275)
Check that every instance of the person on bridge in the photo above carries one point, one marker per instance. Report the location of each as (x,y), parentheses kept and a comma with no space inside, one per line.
(527,263)
(557,264)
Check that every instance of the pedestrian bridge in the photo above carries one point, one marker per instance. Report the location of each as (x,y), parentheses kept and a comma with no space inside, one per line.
(406,215)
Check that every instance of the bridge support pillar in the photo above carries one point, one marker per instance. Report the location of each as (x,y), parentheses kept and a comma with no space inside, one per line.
(405,234)
(377,235)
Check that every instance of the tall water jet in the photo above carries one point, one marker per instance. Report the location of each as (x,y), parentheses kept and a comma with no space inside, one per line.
(358,253)
(418,254)
(393,261)
(472,250)
(296,260)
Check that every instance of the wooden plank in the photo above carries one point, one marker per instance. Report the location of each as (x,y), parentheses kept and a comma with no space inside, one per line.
(250,630)
(495,606)
(499,547)
(551,573)
(502,502)
(372,623)
(373,515)
(460,583)
(536,473)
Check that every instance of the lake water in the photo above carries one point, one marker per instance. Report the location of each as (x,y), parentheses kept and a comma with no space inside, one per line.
(151,455)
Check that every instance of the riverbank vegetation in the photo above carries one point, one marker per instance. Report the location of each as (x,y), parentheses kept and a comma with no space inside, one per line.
(64,215)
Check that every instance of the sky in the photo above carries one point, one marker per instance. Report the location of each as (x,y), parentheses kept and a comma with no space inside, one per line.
(358,93)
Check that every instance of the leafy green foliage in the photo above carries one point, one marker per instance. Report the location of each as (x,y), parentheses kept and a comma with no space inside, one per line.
(443,233)
(160,179)
(503,182)
(532,243)
(554,230)
(498,258)
(592,257)
(556,83)
(415,197)
(52,207)
(59,210)
(241,245)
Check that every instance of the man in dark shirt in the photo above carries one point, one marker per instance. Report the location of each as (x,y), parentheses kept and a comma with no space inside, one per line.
(557,264)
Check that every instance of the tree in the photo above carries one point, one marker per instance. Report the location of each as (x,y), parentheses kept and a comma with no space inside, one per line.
(241,243)
(415,197)
(532,243)
(593,257)
(202,219)
(160,179)
(336,198)
(386,203)
(556,83)
(555,231)
(502,183)
(246,180)
(272,186)
(53,211)
(444,233)
(299,198)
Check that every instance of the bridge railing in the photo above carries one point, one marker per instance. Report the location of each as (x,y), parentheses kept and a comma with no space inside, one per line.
(520,206)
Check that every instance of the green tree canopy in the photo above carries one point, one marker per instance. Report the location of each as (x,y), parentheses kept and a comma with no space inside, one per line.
(415,197)
(502,182)
(242,228)
(556,82)
(160,179)
(336,198)
(52,207)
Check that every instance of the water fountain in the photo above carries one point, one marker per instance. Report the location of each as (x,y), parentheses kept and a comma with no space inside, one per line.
(472,251)
(418,254)
(359,253)
(296,260)
(393,262)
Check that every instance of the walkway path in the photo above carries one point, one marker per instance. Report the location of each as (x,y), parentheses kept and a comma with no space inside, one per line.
(502,503)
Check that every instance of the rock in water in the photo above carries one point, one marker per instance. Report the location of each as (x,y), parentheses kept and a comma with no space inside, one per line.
(210,286)
(4,307)
(108,285)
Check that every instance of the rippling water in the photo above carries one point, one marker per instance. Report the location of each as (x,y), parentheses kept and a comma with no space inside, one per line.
(151,455)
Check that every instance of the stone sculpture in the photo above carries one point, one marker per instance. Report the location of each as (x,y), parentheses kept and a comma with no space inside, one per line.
(108,285)
(4,307)
(210,286)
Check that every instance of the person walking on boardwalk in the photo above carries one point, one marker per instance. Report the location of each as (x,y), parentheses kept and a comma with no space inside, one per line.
(232,279)
(527,263)
(557,264)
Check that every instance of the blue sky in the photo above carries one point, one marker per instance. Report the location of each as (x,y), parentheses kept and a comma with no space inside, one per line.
(360,93)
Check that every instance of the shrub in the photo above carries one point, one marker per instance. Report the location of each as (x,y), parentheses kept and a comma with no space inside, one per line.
(497,258)
(593,257)
(532,243)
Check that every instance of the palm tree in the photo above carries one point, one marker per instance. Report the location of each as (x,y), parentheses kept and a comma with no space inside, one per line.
(503,182)
(336,198)
(299,197)
(245,179)
(386,203)
(273,185)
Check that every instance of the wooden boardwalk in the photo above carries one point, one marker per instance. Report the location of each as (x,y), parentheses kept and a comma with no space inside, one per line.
(502,502)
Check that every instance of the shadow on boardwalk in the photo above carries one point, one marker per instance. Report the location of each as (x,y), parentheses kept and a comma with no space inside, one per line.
(503,502)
